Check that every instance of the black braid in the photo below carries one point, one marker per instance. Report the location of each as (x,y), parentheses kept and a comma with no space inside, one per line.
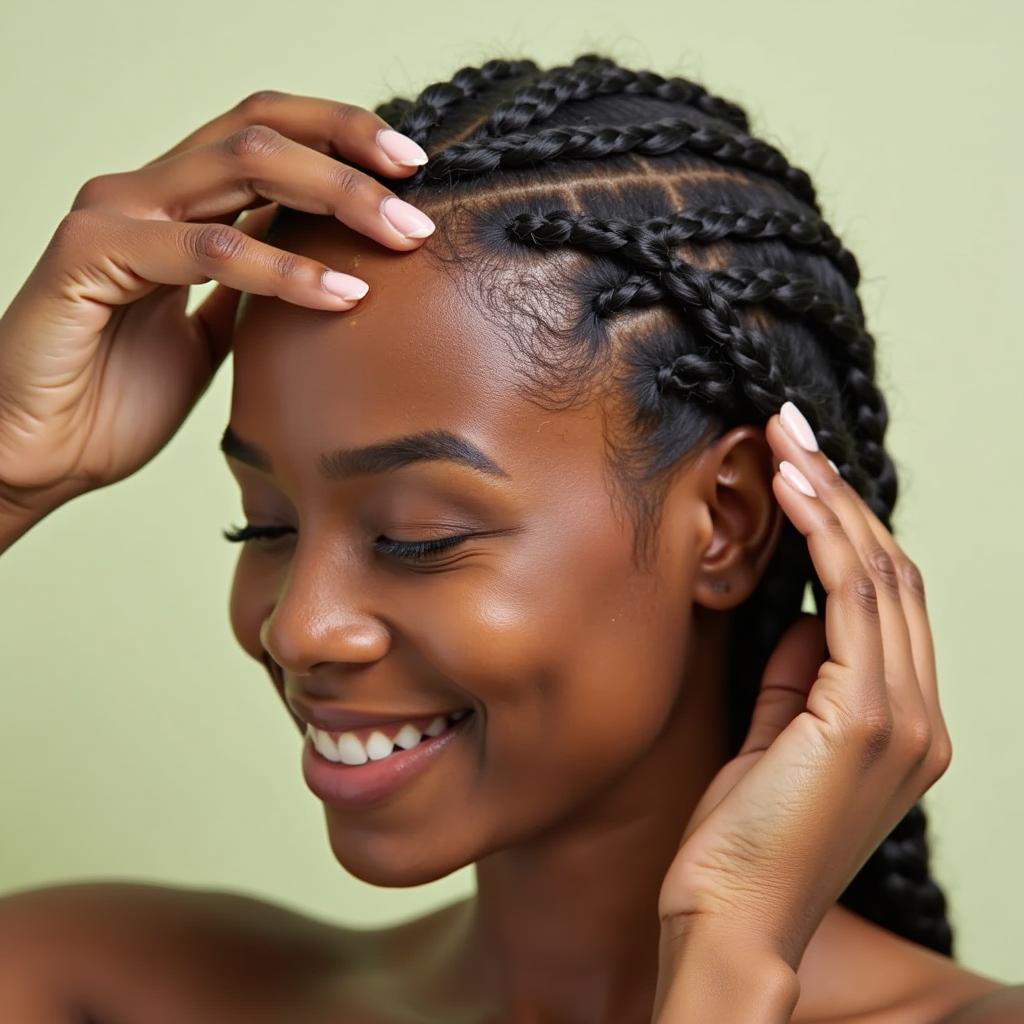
(594,142)
(711,296)
(741,335)
(436,101)
(789,293)
(702,224)
(540,99)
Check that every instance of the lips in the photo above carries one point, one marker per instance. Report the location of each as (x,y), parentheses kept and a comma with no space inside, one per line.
(334,719)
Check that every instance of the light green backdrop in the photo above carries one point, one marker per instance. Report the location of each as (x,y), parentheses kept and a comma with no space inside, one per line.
(136,740)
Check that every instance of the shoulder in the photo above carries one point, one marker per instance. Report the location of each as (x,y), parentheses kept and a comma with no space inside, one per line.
(1003,1005)
(100,942)
(105,909)
(856,972)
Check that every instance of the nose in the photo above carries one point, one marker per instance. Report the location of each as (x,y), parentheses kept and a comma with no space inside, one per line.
(321,617)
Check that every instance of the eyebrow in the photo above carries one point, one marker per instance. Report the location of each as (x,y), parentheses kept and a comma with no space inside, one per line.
(342,463)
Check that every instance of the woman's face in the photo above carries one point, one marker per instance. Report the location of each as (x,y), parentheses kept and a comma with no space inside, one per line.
(571,658)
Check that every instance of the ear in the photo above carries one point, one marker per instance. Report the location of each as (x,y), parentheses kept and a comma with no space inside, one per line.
(744,519)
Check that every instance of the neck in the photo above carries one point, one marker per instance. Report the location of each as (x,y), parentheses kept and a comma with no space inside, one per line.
(564,925)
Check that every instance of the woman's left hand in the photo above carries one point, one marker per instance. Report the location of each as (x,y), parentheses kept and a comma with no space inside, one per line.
(837,752)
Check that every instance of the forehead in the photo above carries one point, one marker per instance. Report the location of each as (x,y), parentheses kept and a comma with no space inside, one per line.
(417,353)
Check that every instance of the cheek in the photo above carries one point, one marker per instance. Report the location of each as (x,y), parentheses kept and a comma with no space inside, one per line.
(577,666)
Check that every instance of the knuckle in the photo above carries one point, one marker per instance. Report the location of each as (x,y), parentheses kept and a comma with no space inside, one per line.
(73,228)
(343,114)
(832,526)
(260,100)
(286,264)
(77,233)
(94,191)
(345,181)
(941,754)
(254,140)
(873,733)
(912,577)
(917,738)
(214,243)
(862,593)
(884,568)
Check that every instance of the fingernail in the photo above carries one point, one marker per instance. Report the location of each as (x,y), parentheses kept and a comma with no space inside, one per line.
(834,466)
(793,476)
(401,148)
(797,427)
(405,218)
(344,285)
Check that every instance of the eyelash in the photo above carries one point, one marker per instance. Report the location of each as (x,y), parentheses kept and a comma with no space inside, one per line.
(416,550)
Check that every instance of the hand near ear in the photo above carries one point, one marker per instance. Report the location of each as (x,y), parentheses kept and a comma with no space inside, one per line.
(842,741)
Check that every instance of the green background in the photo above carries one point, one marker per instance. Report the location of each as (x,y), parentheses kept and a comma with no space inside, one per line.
(137,741)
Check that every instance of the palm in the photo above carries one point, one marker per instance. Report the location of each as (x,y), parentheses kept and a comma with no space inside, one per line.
(750,794)
(158,365)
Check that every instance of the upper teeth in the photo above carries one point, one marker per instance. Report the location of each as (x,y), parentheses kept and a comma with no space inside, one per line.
(348,748)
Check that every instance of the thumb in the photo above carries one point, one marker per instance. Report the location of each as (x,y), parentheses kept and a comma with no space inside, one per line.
(787,680)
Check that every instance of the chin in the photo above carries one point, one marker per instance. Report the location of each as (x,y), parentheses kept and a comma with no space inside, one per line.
(391,860)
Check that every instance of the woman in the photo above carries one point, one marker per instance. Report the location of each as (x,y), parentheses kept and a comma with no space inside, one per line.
(529,529)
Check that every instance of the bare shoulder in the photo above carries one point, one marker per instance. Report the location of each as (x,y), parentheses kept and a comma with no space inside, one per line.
(120,947)
(856,972)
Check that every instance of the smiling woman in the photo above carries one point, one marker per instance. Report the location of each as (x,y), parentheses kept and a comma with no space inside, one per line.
(528,534)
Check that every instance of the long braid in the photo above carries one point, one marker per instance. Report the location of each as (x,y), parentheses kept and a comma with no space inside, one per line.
(595,142)
(764,293)
(540,99)
(701,224)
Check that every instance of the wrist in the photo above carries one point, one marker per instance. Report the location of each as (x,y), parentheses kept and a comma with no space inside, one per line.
(710,973)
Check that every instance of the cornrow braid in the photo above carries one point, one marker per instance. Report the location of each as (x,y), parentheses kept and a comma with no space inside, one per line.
(436,101)
(711,298)
(692,213)
(594,142)
(540,99)
(702,224)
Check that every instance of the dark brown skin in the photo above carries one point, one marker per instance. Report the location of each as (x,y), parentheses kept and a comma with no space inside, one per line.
(544,624)
(597,689)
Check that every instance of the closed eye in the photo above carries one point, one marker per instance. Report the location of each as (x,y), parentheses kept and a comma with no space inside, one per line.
(416,550)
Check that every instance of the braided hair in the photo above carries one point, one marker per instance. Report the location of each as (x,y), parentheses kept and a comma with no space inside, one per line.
(693,276)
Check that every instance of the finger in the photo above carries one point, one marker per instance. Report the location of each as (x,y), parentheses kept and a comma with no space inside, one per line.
(220,177)
(150,253)
(215,316)
(325,125)
(852,626)
(916,611)
(787,679)
(847,505)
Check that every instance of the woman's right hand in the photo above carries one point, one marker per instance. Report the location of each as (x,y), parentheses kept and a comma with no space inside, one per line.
(99,363)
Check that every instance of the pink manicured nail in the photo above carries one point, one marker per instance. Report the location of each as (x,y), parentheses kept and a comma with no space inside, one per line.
(406,219)
(797,427)
(834,467)
(795,478)
(401,148)
(344,285)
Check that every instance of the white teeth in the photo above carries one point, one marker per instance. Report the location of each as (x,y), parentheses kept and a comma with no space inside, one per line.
(378,746)
(408,737)
(438,725)
(349,749)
